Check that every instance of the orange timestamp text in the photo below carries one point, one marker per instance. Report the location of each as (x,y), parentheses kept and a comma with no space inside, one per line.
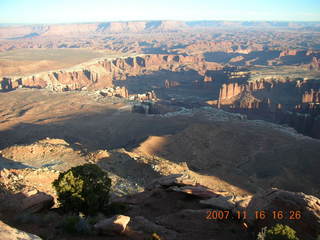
(258,215)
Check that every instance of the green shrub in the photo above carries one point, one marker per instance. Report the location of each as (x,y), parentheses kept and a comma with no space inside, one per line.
(278,232)
(83,189)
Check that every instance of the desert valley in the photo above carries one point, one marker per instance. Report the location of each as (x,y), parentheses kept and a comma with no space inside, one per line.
(186,117)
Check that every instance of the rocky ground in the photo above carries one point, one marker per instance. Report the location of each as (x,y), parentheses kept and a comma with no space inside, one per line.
(173,207)
(214,160)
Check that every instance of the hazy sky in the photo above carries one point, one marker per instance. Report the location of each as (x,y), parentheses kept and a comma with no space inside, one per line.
(59,11)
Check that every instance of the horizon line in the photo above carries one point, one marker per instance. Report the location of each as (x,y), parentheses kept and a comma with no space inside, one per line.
(155,20)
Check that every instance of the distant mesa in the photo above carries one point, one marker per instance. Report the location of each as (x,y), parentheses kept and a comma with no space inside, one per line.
(27,31)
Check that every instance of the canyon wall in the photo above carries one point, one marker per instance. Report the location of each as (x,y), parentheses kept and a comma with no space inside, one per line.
(233,89)
(102,73)
(264,100)
(311,96)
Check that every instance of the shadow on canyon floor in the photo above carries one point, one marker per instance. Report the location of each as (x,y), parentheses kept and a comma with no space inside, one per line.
(10,164)
(203,146)
(102,131)
(105,130)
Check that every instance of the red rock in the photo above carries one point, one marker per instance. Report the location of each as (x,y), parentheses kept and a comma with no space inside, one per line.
(311,96)
(291,52)
(37,202)
(114,225)
(102,73)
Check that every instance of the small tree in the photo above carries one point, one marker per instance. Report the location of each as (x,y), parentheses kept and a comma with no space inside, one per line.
(278,232)
(83,189)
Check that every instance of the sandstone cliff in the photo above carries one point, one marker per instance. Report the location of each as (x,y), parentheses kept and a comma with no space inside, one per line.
(311,96)
(102,73)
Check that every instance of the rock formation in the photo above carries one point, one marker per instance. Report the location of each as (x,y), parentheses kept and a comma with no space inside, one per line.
(265,98)
(170,84)
(8,232)
(114,225)
(289,52)
(297,210)
(115,92)
(311,96)
(102,73)
(230,90)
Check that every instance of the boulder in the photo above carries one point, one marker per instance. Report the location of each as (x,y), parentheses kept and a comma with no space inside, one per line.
(10,233)
(221,202)
(37,202)
(242,202)
(114,225)
(300,211)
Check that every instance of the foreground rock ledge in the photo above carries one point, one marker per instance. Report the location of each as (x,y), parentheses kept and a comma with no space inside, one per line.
(300,211)
(10,233)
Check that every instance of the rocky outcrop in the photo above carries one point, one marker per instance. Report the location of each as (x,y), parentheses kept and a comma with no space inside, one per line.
(230,90)
(289,52)
(37,202)
(298,210)
(170,84)
(113,225)
(264,99)
(311,96)
(208,78)
(144,225)
(10,233)
(102,73)
(115,92)
(165,214)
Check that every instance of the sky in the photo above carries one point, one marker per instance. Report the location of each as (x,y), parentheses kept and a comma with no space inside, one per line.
(71,11)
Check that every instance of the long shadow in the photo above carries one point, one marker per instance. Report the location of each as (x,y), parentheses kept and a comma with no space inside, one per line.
(259,57)
(95,130)
(9,164)
(156,80)
(128,168)
(107,130)
(187,86)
